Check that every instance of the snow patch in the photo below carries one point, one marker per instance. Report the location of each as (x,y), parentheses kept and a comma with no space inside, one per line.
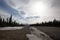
(37,35)
(32,37)
(10,28)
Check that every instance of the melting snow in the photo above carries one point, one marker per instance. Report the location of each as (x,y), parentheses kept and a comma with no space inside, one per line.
(37,35)
(10,28)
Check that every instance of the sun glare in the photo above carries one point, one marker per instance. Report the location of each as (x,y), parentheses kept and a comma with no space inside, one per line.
(39,8)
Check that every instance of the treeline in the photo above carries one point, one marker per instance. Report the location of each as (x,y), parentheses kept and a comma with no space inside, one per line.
(8,22)
(53,23)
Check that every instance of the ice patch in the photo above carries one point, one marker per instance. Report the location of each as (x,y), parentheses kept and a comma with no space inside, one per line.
(10,28)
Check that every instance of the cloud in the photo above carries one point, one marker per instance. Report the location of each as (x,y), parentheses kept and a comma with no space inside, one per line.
(53,3)
(32,17)
(4,14)
(56,3)
(17,9)
(16,3)
(6,11)
(22,10)
(9,9)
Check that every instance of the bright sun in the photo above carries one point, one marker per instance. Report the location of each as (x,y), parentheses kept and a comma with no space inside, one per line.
(39,8)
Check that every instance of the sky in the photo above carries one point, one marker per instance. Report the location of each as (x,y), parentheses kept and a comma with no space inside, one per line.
(30,11)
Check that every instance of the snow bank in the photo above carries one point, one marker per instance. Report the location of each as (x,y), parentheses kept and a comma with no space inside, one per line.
(10,28)
(37,35)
